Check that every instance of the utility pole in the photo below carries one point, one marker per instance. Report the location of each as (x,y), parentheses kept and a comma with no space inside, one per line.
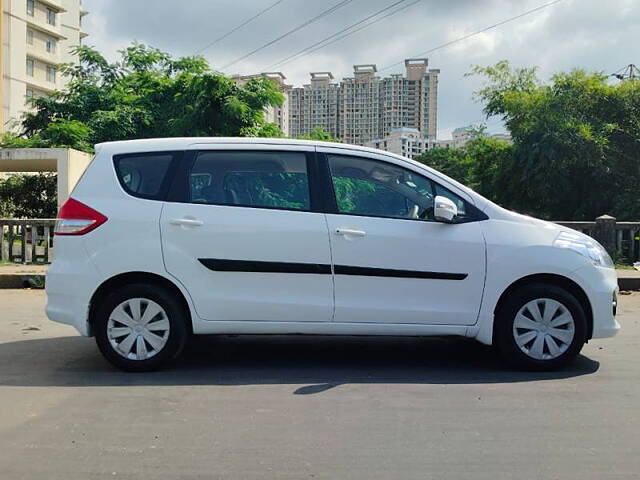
(630,72)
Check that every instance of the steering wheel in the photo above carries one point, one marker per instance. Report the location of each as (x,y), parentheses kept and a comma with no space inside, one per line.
(426,214)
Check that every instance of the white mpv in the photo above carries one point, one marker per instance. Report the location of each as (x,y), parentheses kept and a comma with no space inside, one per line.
(166,238)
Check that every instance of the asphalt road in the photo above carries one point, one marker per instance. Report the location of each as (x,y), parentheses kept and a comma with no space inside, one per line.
(315,407)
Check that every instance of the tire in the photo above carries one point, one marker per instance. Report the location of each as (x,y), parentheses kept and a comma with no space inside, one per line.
(535,341)
(134,342)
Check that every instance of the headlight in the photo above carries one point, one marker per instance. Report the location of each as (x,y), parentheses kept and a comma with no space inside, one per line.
(584,246)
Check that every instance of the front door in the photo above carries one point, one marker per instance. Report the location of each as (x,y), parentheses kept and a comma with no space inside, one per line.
(392,262)
(241,236)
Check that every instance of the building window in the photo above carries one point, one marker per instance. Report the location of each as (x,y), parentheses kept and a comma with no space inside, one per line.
(30,7)
(29,94)
(51,74)
(51,45)
(30,37)
(29,67)
(51,16)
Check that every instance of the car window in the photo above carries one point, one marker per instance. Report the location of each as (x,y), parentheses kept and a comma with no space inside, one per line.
(143,175)
(369,187)
(461,204)
(251,179)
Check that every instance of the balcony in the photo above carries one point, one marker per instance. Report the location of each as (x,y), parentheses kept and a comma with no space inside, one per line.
(53,30)
(42,55)
(55,4)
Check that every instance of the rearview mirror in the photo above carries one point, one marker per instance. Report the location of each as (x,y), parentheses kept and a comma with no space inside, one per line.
(444,209)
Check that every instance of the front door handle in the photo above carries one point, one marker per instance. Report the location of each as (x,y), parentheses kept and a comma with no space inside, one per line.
(186,222)
(350,232)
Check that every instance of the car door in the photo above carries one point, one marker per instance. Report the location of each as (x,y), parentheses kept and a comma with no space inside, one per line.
(392,262)
(239,232)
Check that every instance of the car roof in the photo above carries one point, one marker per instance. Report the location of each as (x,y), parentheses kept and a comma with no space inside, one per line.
(185,142)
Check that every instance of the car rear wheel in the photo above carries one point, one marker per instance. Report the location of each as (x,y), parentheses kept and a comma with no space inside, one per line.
(540,327)
(140,327)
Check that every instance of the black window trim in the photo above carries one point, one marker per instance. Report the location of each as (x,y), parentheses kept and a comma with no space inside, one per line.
(179,190)
(473,213)
(166,181)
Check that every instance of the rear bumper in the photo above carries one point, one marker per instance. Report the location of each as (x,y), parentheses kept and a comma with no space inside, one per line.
(601,286)
(69,289)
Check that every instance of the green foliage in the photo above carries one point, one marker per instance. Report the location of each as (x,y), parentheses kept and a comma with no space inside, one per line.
(575,152)
(319,134)
(283,190)
(146,94)
(483,164)
(29,196)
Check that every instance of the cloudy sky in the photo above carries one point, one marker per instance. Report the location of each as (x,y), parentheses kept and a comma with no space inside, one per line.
(600,35)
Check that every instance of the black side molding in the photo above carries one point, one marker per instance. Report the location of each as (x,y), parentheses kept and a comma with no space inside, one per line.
(392,273)
(264,267)
(218,265)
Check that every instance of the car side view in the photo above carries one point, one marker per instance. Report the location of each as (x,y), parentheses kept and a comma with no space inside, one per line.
(166,238)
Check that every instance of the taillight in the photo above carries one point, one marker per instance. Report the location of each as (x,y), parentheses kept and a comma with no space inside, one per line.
(76,218)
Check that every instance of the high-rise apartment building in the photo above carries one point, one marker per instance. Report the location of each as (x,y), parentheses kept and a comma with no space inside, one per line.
(366,107)
(360,107)
(37,37)
(278,115)
(315,105)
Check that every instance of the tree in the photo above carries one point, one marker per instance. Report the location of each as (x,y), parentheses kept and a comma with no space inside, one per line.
(29,196)
(145,94)
(482,164)
(318,133)
(576,139)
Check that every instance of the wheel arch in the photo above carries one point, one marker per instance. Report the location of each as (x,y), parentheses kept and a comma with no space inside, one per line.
(130,278)
(556,280)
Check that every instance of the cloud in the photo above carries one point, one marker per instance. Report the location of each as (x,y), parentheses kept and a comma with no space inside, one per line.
(589,34)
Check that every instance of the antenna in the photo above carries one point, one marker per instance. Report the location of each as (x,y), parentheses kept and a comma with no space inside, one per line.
(630,72)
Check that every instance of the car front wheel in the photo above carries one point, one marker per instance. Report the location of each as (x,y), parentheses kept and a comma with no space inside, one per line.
(540,327)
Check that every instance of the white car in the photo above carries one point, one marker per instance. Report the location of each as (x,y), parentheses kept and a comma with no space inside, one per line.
(166,238)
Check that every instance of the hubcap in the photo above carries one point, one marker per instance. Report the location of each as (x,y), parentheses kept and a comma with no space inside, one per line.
(138,329)
(543,329)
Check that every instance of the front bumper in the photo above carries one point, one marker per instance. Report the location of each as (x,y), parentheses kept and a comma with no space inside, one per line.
(601,287)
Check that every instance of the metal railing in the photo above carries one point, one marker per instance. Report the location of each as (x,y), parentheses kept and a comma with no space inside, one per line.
(28,241)
(621,239)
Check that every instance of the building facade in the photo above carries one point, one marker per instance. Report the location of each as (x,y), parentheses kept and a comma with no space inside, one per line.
(408,142)
(315,105)
(366,107)
(37,37)
(278,115)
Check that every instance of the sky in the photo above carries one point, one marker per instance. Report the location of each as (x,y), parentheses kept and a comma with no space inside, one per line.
(595,35)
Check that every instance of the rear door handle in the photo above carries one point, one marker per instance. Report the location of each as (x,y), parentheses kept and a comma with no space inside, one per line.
(350,232)
(186,222)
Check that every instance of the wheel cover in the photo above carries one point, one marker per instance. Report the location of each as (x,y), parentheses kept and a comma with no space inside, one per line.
(543,329)
(138,329)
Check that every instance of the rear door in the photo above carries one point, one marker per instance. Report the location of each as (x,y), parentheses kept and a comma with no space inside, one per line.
(240,233)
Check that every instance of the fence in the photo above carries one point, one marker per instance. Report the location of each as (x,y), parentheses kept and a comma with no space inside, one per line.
(621,239)
(26,241)
(31,241)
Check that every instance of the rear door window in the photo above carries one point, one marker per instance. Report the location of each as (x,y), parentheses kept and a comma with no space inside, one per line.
(145,175)
(250,179)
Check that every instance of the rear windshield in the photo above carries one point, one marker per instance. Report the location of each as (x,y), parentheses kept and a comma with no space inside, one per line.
(145,175)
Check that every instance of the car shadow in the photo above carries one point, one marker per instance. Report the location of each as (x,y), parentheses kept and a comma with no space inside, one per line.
(318,362)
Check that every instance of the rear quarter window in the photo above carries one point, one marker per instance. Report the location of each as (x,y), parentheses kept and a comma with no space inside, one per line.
(145,175)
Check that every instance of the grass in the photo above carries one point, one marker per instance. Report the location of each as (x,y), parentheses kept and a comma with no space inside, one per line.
(623,266)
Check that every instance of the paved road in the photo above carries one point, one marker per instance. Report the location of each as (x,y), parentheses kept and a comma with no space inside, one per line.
(312,408)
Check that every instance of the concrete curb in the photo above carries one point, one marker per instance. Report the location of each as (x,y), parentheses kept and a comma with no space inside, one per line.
(15,280)
(12,280)
(629,283)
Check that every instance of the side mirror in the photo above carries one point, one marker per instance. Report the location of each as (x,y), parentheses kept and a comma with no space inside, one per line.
(444,209)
